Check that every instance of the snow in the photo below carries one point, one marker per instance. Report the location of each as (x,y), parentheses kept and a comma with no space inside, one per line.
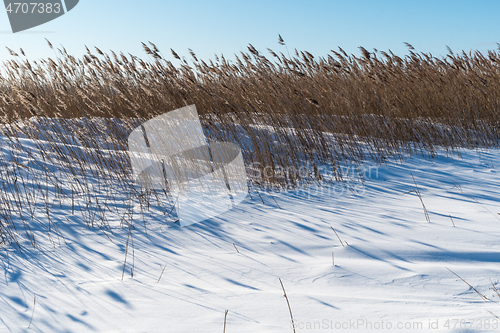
(392,272)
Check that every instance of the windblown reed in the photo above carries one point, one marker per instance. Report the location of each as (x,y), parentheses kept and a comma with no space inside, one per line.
(287,113)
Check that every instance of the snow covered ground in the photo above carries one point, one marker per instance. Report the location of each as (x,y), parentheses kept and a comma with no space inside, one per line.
(391,273)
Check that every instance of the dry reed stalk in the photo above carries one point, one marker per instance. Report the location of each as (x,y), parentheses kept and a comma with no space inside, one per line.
(32,313)
(163,270)
(337,236)
(290,112)
(288,303)
(225,317)
(451,218)
(126,253)
(467,283)
(494,288)
(421,200)
(494,315)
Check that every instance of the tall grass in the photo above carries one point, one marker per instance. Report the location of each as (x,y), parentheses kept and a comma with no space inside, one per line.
(287,113)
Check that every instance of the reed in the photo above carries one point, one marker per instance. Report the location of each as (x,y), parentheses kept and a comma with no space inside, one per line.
(296,118)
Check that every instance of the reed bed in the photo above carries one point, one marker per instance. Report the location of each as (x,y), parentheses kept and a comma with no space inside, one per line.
(65,120)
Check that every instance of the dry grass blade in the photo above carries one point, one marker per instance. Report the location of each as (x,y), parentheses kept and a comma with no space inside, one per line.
(484,207)
(289,307)
(225,317)
(421,200)
(340,240)
(451,218)
(126,253)
(467,283)
(33,313)
(494,315)
(163,270)
(494,288)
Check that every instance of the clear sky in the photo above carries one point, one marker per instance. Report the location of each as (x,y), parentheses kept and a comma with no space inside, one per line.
(228,26)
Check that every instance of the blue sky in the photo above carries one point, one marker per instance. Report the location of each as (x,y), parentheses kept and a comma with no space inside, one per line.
(227,27)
